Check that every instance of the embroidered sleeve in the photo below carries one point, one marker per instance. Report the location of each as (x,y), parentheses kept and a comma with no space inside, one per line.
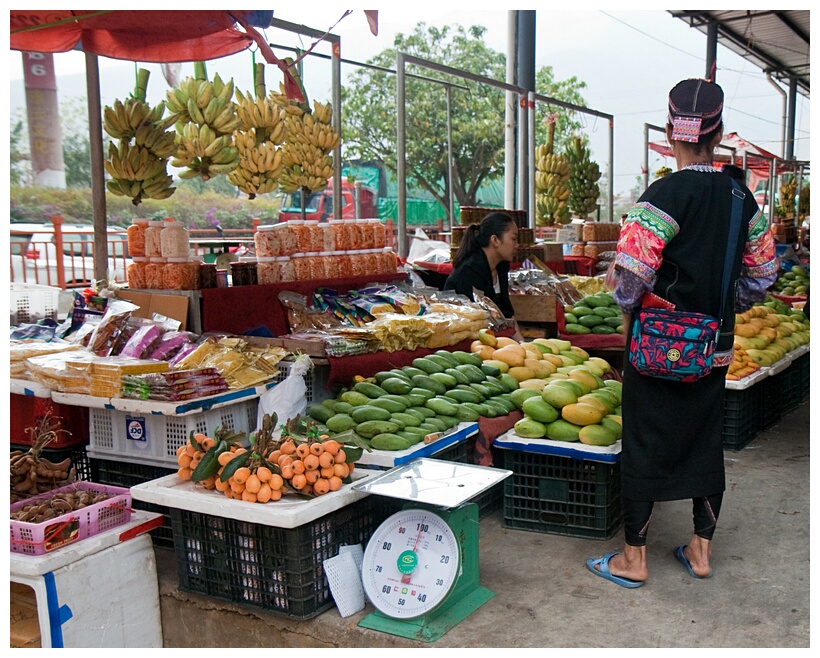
(759,253)
(646,231)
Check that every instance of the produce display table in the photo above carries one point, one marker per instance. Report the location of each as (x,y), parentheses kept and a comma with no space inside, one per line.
(386,459)
(98,592)
(244,309)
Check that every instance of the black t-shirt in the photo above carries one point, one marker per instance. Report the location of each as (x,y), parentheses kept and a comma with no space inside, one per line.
(474,272)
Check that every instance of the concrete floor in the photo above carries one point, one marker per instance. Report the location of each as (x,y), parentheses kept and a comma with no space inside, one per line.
(545,597)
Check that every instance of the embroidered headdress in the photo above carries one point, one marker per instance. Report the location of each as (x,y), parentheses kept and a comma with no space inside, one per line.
(695,109)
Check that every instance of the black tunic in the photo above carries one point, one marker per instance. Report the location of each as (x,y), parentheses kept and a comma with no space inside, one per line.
(673,431)
(474,272)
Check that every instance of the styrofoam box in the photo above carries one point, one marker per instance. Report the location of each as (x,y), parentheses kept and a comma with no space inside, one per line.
(154,438)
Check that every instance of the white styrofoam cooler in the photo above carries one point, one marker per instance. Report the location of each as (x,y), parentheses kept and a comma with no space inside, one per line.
(153,439)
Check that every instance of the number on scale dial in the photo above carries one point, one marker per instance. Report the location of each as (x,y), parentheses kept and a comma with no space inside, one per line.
(410,564)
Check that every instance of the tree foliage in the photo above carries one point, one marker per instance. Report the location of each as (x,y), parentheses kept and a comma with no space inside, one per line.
(477,112)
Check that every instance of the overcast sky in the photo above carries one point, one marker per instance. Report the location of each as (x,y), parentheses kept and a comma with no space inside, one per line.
(629,59)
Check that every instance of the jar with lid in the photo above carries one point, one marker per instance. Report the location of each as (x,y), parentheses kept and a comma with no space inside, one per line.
(287,239)
(174,240)
(330,267)
(379,234)
(366,229)
(286,269)
(372,261)
(390,262)
(356,235)
(328,236)
(341,234)
(315,235)
(267,241)
(267,269)
(153,239)
(301,267)
(154,279)
(243,272)
(180,274)
(207,276)
(136,237)
(301,235)
(345,264)
(357,262)
(136,272)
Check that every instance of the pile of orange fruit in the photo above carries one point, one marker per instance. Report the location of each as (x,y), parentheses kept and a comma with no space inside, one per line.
(741,366)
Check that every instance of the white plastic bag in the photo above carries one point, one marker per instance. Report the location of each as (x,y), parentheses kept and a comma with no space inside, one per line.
(288,398)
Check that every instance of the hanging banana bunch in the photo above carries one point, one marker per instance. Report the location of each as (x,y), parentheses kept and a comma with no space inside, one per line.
(206,120)
(309,141)
(552,172)
(138,163)
(583,180)
(261,132)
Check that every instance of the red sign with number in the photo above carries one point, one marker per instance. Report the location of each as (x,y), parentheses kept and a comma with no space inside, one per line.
(38,71)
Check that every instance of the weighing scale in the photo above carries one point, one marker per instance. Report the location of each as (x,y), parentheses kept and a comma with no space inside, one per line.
(420,567)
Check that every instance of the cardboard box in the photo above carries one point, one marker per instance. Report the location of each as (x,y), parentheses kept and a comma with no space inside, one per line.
(174,306)
(553,251)
(534,308)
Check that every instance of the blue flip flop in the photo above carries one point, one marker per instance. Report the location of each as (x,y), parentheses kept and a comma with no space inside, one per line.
(682,559)
(603,571)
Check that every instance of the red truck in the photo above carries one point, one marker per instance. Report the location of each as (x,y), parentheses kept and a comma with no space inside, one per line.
(319,205)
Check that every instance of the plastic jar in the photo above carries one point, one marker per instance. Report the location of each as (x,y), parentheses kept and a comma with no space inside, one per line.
(207,276)
(379,234)
(356,235)
(153,239)
(341,234)
(301,267)
(301,234)
(357,262)
(315,236)
(390,262)
(330,267)
(154,278)
(243,272)
(372,261)
(268,270)
(367,228)
(328,236)
(174,240)
(345,264)
(180,274)
(136,272)
(287,239)
(286,269)
(136,237)
(267,241)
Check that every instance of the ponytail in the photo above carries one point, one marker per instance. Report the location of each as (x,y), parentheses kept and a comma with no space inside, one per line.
(477,236)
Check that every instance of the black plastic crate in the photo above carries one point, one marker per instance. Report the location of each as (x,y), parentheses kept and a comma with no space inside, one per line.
(79,458)
(275,569)
(805,376)
(741,416)
(790,380)
(561,495)
(128,474)
(771,406)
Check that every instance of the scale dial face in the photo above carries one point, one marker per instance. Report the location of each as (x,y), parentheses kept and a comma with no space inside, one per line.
(410,564)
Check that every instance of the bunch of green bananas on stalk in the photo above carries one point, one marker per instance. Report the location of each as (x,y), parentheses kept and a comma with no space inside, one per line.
(583,180)
(138,163)
(309,141)
(206,120)
(552,172)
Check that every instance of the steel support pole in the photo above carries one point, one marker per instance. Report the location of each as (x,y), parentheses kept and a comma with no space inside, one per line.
(450,209)
(401,154)
(92,80)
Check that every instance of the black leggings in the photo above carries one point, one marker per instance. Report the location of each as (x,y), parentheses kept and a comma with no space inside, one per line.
(638,514)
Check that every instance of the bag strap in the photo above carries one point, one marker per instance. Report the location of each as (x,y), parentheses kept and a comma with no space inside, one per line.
(738,196)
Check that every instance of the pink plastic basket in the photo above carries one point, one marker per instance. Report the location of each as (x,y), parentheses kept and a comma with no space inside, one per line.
(42,538)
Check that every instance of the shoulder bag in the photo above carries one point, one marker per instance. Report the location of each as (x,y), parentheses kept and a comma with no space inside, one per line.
(680,345)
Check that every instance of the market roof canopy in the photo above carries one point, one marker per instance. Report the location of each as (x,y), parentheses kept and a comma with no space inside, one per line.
(757,158)
(144,36)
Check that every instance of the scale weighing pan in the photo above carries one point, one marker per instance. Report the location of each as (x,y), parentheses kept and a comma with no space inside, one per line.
(434,482)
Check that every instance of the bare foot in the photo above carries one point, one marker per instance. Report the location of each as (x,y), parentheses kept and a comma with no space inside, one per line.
(698,553)
(631,563)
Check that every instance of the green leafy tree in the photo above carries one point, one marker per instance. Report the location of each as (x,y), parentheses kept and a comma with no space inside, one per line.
(477,113)
(18,157)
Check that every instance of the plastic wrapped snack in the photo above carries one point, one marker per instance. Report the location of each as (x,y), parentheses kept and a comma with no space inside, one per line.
(105,334)
(169,344)
(142,341)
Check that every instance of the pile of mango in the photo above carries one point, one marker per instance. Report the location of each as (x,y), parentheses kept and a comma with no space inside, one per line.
(596,314)
(793,283)
(770,330)
(395,409)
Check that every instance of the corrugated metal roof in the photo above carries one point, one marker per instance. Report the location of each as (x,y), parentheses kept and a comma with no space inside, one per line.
(774,40)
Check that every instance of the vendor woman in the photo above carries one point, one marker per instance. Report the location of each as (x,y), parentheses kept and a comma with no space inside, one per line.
(483,261)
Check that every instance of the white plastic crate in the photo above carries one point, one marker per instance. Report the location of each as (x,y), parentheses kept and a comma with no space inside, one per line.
(153,439)
(315,380)
(30,302)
